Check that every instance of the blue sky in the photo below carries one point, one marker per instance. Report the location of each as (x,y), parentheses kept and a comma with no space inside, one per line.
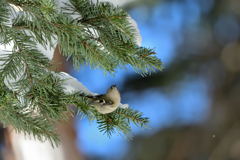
(188,103)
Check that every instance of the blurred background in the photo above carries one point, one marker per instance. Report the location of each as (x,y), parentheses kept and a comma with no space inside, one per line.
(194,103)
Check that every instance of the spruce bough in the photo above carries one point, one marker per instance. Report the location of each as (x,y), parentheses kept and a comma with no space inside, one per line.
(99,34)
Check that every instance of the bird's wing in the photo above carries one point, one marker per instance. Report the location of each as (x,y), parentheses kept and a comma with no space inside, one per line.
(103,100)
(100,99)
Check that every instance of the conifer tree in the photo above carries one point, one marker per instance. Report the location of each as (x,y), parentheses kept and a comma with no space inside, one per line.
(96,34)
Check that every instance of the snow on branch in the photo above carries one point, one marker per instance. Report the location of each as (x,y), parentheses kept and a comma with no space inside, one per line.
(34,98)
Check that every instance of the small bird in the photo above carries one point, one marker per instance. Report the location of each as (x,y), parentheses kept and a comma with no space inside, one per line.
(106,103)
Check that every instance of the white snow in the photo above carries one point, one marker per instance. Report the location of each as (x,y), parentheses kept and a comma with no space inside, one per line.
(72,85)
(28,148)
(116,2)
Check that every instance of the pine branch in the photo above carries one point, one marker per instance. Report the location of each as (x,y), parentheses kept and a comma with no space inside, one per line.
(116,33)
(4,12)
(120,121)
(11,113)
(32,97)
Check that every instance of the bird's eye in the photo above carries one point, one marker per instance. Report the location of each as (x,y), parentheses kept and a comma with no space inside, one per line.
(113,86)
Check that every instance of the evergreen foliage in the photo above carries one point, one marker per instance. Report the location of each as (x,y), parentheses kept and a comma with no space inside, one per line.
(101,35)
